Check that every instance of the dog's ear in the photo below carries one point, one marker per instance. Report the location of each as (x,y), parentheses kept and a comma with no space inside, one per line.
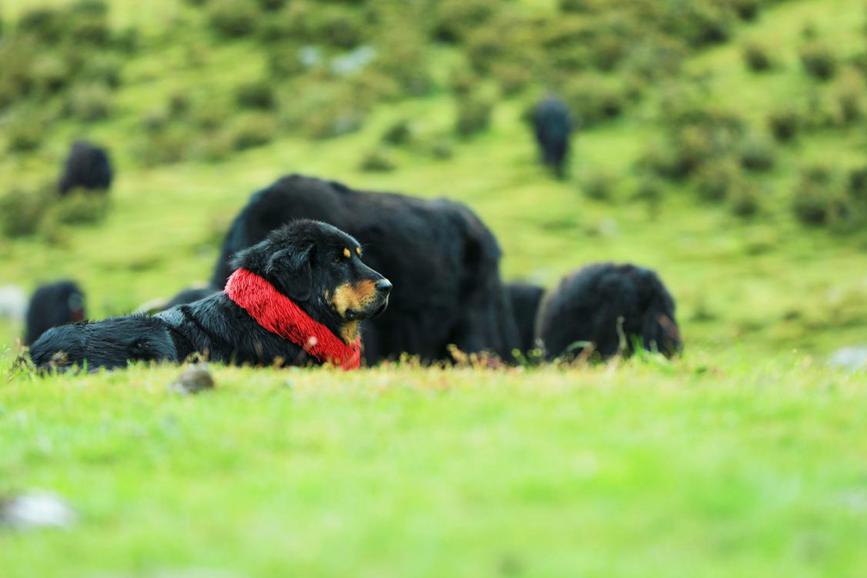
(293,271)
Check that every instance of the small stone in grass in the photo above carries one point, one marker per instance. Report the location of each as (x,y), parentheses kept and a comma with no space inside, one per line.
(36,510)
(194,379)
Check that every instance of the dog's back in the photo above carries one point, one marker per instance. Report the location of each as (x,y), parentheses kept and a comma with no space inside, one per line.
(111,343)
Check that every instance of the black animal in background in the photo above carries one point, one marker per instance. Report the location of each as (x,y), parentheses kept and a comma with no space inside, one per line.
(609,306)
(189,295)
(88,167)
(51,305)
(525,299)
(553,125)
(297,298)
(443,260)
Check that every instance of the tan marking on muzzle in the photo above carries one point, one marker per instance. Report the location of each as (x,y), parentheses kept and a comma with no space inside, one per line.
(353,296)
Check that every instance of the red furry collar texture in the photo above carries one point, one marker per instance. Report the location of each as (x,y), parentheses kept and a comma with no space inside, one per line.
(281,316)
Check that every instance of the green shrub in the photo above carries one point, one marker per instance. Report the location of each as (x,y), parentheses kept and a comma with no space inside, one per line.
(473,114)
(747,9)
(818,60)
(699,23)
(849,95)
(24,135)
(22,211)
(817,199)
(593,101)
(89,102)
(104,69)
(455,19)
(233,18)
(87,22)
(857,185)
(598,185)
(79,207)
(49,74)
(398,134)
(211,114)
(649,190)
(402,57)
(213,146)
(745,199)
(757,153)
(256,95)
(377,161)
(45,24)
(715,181)
(178,105)
(167,146)
(784,124)
(253,130)
(283,62)
(757,57)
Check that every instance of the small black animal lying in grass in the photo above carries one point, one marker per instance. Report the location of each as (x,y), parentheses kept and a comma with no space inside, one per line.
(51,305)
(525,299)
(87,167)
(296,299)
(608,307)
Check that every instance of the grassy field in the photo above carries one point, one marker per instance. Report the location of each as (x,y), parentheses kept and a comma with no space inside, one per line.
(696,469)
(744,457)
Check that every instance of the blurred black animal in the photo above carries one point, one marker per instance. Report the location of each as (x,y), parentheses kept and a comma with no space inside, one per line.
(51,305)
(608,307)
(552,124)
(525,299)
(189,295)
(296,298)
(443,260)
(88,167)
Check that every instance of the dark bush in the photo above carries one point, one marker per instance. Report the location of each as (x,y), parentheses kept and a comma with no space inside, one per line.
(89,102)
(256,95)
(454,19)
(398,134)
(747,9)
(817,198)
(283,62)
(377,161)
(784,124)
(473,114)
(699,23)
(104,69)
(45,24)
(857,185)
(715,181)
(849,94)
(757,153)
(818,60)
(213,147)
(79,207)
(253,130)
(49,74)
(757,57)
(24,135)
(22,211)
(233,18)
(598,185)
(593,100)
(745,199)
(167,146)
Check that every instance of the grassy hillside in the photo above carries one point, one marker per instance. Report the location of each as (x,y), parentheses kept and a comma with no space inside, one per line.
(744,457)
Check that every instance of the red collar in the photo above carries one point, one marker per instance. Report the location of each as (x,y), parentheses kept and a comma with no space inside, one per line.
(277,313)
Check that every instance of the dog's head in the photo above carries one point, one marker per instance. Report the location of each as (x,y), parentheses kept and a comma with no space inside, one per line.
(321,269)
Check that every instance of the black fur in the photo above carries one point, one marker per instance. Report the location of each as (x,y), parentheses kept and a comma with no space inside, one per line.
(51,305)
(302,260)
(87,166)
(587,306)
(525,299)
(552,123)
(443,260)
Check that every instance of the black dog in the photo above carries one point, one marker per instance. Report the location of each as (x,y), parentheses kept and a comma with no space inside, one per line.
(51,305)
(443,260)
(87,167)
(609,306)
(189,295)
(552,123)
(525,299)
(296,298)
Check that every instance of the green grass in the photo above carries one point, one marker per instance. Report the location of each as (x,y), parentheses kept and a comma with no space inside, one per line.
(743,458)
(696,469)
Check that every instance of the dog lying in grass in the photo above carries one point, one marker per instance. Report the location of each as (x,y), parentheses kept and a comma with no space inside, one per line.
(607,309)
(296,298)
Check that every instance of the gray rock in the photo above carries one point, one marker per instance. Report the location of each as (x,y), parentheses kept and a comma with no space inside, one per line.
(194,379)
(13,302)
(853,358)
(36,510)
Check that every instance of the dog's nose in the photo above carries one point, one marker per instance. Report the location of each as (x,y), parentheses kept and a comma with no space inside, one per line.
(383,285)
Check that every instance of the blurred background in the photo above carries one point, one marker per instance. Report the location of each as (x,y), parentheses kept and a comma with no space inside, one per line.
(720,142)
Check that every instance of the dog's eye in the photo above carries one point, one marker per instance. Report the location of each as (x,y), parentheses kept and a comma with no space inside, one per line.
(347,253)
(358,251)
